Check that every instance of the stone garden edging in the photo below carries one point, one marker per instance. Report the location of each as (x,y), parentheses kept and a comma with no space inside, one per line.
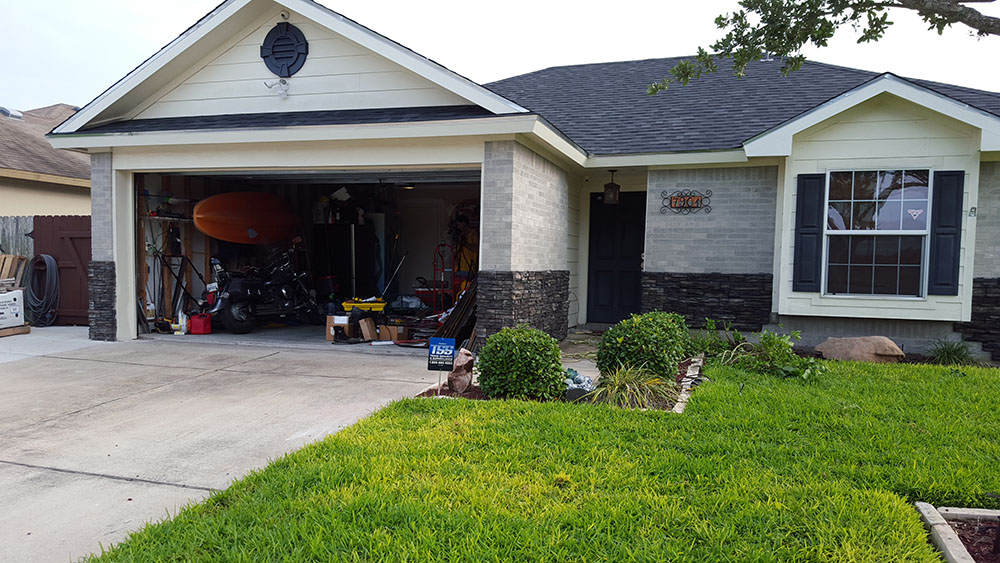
(943,536)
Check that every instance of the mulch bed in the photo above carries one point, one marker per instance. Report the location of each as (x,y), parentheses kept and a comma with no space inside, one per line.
(682,369)
(476,394)
(978,538)
(910,358)
(473,392)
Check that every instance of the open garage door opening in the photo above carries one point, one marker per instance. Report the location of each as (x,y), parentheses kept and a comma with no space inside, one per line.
(307,257)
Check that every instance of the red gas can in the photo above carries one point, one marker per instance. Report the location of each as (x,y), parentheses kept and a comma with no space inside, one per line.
(201,324)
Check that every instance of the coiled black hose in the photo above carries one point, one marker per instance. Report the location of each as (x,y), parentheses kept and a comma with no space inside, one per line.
(42,301)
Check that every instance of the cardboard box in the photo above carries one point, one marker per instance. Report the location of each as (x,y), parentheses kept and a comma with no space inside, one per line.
(392,332)
(12,309)
(368,331)
(332,325)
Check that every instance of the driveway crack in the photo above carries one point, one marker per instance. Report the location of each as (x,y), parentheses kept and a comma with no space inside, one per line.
(107,476)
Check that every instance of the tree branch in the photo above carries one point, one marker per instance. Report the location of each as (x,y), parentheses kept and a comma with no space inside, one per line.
(941,13)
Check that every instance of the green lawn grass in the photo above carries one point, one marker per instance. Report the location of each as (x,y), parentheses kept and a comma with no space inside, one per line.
(780,470)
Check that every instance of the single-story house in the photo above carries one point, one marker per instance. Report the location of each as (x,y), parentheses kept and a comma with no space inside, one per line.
(36,179)
(834,201)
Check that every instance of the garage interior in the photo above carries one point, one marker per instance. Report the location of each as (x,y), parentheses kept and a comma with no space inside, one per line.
(384,255)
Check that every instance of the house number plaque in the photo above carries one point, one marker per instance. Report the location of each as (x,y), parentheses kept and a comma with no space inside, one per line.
(685,202)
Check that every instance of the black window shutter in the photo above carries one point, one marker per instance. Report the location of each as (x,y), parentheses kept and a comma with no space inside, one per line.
(946,233)
(809,214)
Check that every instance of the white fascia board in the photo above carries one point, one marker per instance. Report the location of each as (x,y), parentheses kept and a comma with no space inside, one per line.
(400,55)
(149,67)
(668,159)
(506,125)
(778,141)
(559,142)
(990,140)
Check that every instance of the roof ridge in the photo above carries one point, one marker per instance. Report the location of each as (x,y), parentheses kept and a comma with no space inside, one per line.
(677,58)
(580,65)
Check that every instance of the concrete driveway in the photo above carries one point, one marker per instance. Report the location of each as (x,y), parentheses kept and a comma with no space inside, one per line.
(96,441)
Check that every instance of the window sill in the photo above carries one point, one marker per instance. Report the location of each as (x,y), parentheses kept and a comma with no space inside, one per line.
(872,297)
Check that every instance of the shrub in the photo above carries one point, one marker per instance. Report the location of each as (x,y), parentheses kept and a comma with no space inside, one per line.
(951,352)
(714,341)
(634,387)
(655,341)
(521,363)
(774,354)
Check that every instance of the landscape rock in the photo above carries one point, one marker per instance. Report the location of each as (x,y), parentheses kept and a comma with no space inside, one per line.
(878,349)
(460,378)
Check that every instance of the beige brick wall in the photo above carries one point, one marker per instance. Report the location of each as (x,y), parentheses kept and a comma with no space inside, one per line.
(101,207)
(525,207)
(737,237)
(988,222)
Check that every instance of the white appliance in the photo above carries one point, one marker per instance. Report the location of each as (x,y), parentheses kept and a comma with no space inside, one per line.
(12,308)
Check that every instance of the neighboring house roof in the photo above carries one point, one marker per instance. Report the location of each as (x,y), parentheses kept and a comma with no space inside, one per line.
(24,148)
(293,119)
(605,109)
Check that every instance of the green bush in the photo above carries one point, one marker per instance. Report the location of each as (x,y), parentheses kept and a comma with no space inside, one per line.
(951,352)
(713,340)
(774,355)
(634,387)
(654,341)
(521,363)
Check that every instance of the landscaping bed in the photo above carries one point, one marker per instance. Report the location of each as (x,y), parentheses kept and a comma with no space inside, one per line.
(759,468)
(978,538)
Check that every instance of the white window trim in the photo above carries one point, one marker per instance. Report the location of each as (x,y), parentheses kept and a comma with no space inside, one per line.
(926,251)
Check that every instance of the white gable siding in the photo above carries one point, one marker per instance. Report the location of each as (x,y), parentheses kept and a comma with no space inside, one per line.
(885,132)
(338,74)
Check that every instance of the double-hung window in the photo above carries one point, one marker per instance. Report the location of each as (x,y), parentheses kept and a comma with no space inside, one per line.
(877,228)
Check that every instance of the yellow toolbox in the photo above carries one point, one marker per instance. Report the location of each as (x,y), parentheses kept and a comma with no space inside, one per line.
(377,306)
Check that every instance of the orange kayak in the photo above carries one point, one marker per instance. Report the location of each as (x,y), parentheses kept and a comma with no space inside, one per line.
(245,217)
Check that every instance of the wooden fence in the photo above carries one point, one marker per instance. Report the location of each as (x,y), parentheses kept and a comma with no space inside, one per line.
(12,235)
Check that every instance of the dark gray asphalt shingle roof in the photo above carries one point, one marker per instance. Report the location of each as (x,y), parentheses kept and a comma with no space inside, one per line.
(291,119)
(605,110)
(604,107)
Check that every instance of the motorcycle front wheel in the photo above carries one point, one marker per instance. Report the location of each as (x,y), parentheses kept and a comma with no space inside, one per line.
(237,318)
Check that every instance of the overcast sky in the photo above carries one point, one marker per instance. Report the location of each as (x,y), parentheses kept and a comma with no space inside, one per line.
(71,50)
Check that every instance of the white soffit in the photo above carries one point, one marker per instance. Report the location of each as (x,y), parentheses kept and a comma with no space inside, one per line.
(778,140)
(221,15)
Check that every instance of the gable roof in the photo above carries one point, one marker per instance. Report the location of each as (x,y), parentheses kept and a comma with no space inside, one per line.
(778,140)
(292,119)
(23,147)
(604,107)
(218,26)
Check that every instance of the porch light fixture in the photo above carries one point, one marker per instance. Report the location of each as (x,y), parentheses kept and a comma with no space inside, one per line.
(612,191)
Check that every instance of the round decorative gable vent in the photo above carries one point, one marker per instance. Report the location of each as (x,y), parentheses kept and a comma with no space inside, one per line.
(284,50)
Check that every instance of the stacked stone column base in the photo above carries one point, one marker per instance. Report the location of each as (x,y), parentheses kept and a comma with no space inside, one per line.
(539,299)
(984,327)
(101,305)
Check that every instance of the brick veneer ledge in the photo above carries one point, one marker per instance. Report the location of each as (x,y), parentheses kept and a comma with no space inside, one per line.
(743,299)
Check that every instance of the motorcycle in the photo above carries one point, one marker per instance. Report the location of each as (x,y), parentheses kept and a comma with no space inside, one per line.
(277,289)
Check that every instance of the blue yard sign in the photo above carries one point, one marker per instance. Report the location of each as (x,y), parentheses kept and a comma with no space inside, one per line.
(441,354)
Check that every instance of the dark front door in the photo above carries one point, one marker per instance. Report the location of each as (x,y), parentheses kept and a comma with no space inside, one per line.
(616,243)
